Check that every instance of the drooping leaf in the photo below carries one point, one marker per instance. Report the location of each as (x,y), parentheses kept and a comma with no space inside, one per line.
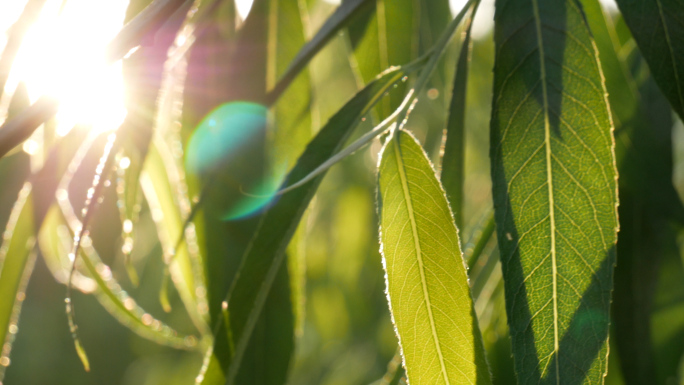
(342,16)
(648,263)
(56,177)
(266,252)
(384,37)
(16,264)
(257,53)
(427,284)
(621,86)
(291,127)
(658,29)
(453,161)
(648,277)
(157,185)
(554,190)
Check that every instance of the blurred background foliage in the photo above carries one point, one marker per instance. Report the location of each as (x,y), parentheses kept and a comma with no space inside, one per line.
(343,333)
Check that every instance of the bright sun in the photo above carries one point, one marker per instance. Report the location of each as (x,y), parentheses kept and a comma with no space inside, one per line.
(62,56)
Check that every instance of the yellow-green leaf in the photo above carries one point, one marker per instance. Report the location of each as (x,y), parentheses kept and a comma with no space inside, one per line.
(427,284)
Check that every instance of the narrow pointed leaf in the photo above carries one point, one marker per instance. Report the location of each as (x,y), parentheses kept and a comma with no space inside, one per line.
(658,28)
(648,276)
(453,161)
(427,284)
(338,20)
(385,37)
(16,264)
(158,188)
(553,172)
(263,258)
(649,269)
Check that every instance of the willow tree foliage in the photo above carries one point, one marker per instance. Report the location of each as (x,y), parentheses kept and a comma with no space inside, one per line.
(219,170)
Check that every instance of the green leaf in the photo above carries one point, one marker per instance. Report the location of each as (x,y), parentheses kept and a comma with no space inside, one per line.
(16,265)
(658,28)
(649,273)
(265,255)
(158,187)
(453,161)
(26,217)
(260,51)
(107,290)
(291,124)
(622,89)
(271,346)
(427,284)
(338,20)
(388,36)
(554,185)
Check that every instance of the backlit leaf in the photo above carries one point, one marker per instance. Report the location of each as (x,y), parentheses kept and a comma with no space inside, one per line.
(266,253)
(384,37)
(16,264)
(427,284)
(554,190)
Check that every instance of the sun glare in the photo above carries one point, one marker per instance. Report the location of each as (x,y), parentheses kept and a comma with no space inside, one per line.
(63,56)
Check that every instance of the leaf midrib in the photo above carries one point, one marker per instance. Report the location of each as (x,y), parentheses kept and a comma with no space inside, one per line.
(549,177)
(419,256)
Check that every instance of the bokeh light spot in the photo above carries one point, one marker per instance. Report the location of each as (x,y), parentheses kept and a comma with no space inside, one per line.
(226,151)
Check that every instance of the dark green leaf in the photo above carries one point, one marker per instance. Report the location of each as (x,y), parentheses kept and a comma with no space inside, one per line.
(265,255)
(658,28)
(554,190)
(649,268)
(453,161)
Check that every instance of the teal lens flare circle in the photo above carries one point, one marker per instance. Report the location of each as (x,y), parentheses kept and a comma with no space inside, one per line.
(227,153)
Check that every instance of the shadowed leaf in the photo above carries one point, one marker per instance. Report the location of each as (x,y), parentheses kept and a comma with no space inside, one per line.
(264,257)
(453,161)
(554,190)
(658,28)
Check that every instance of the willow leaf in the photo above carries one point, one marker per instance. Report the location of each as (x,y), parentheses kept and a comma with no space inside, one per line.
(265,255)
(157,185)
(388,36)
(106,289)
(648,276)
(553,172)
(16,264)
(658,28)
(427,284)
(27,216)
(338,20)
(453,162)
